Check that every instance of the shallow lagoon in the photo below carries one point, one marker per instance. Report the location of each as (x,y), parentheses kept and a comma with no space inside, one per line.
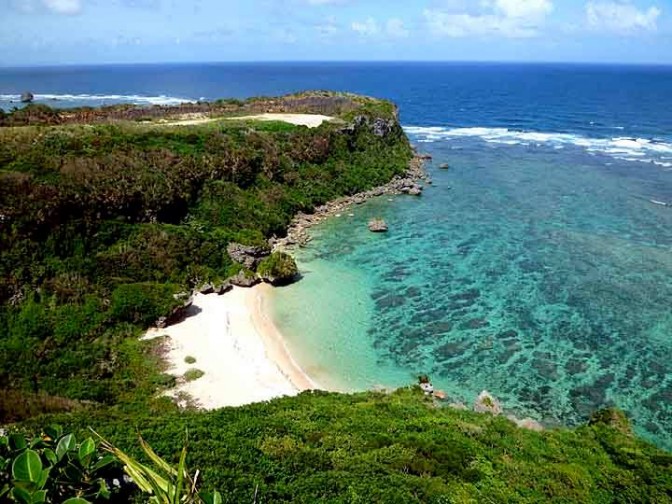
(542,273)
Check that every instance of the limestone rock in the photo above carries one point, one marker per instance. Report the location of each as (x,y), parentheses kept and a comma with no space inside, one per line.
(224,288)
(377,226)
(486,403)
(529,424)
(247,255)
(444,166)
(244,279)
(206,289)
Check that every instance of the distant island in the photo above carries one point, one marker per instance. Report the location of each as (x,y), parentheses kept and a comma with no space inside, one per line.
(136,244)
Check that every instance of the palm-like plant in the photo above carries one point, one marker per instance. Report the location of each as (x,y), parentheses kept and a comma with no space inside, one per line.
(164,483)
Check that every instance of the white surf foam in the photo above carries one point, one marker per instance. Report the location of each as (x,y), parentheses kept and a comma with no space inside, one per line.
(624,148)
(101,99)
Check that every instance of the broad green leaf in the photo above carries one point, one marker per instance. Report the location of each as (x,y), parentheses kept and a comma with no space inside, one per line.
(65,444)
(86,449)
(27,467)
(43,478)
(40,497)
(76,500)
(21,495)
(53,432)
(50,455)
(17,442)
(103,462)
(213,498)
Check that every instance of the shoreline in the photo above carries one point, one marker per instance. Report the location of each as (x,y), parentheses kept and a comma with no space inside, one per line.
(234,343)
(232,338)
(407,183)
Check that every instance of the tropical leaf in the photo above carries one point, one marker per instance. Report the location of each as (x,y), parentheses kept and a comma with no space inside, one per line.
(27,467)
(65,444)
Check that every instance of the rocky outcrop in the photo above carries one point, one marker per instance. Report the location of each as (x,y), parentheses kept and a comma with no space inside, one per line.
(247,255)
(244,279)
(178,312)
(224,288)
(278,269)
(27,97)
(486,403)
(526,423)
(206,289)
(444,166)
(377,226)
(297,233)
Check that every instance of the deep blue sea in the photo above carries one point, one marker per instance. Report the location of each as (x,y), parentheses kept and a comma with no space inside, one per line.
(539,266)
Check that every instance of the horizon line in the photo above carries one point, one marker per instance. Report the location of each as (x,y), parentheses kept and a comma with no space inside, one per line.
(336,62)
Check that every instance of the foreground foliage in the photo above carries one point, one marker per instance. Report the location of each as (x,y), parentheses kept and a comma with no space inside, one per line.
(395,448)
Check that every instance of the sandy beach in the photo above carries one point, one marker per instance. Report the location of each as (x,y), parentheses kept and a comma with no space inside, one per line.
(236,345)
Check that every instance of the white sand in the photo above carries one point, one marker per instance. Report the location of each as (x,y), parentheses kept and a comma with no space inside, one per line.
(237,346)
(310,120)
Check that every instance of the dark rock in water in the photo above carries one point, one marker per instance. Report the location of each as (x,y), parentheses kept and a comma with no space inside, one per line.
(391,301)
(224,288)
(475,324)
(444,166)
(377,226)
(247,255)
(27,97)
(206,289)
(244,279)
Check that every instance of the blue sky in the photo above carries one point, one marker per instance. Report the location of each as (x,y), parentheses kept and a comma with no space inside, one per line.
(134,31)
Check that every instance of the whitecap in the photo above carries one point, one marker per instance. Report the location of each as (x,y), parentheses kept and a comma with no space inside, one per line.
(102,98)
(622,148)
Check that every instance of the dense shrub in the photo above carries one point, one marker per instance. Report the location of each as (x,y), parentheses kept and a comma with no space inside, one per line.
(279,268)
(143,303)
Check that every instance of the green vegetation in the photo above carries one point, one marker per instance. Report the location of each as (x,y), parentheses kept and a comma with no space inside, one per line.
(108,219)
(189,359)
(193,374)
(54,468)
(397,447)
(102,226)
(279,268)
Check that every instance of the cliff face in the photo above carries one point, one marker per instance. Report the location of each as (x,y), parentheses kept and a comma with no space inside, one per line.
(131,212)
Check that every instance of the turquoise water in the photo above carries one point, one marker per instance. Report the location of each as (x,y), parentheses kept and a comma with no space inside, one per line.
(542,273)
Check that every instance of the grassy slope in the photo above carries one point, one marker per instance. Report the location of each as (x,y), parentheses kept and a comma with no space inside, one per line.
(396,448)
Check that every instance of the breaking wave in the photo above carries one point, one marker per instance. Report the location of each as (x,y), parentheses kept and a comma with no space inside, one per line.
(93,99)
(654,151)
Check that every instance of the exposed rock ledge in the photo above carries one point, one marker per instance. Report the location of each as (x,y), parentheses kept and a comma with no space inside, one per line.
(401,184)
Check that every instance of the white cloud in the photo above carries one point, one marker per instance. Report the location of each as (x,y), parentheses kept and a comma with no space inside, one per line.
(523,9)
(621,17)
(63,6)
(506,18)
(367,28)
(393,28)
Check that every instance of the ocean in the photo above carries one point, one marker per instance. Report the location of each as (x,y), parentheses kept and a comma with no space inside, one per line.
(538,266)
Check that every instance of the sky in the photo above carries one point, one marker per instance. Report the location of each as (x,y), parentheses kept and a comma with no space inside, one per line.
(54,32)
